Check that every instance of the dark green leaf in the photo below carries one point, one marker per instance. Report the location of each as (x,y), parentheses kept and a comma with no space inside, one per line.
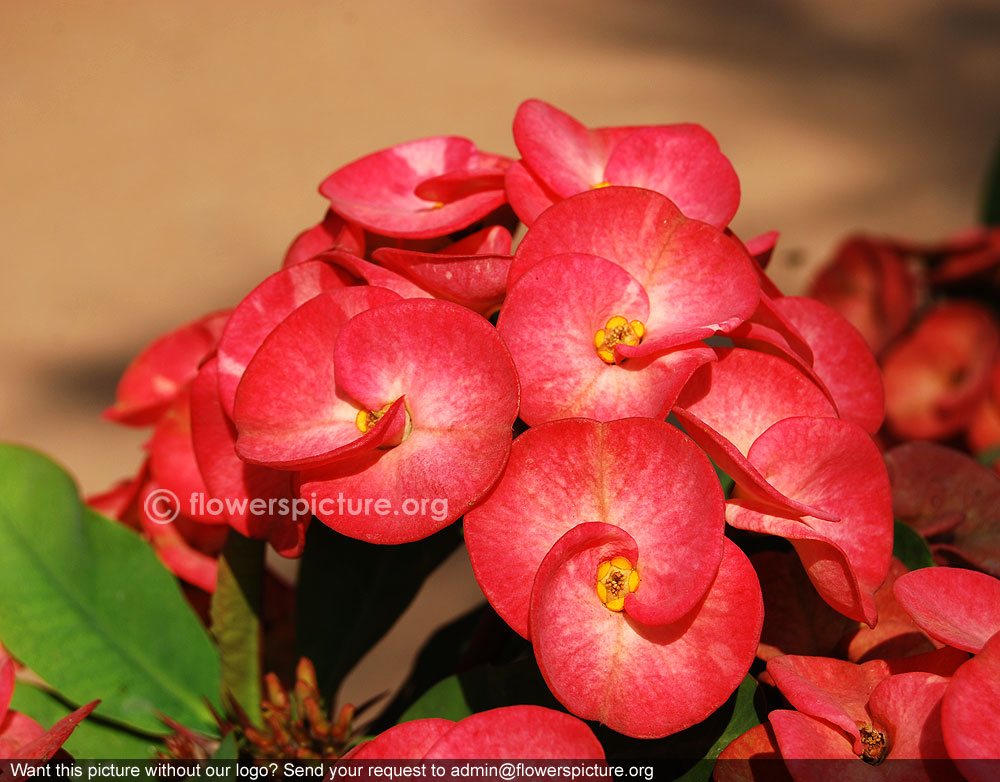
(93,738)
(227,751)
(350,593)
(909,546)
(87,605)
(482,688)
(236,607)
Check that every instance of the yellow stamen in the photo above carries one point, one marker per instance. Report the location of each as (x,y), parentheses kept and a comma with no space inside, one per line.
(617,330)
(616,578)
(600,184)
(366,419)
(874,747)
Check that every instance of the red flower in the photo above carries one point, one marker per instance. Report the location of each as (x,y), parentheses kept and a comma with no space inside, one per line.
(523,732)
(603,545)
(561,157)
(420,189)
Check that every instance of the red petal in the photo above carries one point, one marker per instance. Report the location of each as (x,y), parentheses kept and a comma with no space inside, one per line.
(640,680)
(958,607)
(333,233)
(572,471)
(406,741)
(165,366)
(528,732)
(378,191)
(45,746)
(971,711)
(683,162)
(695,275)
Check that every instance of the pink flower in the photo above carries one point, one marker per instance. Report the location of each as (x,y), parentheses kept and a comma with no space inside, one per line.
(424,188)
(523,732)
(607,298)
(377,401)
(603,545)
(561,157)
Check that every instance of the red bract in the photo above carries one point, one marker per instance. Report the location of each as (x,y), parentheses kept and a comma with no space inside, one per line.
(869,283)
(561,157)
(523,732)
(21,738)
(162,369)
(618,529)
(471,272)
(936,377)
(625,286)
(420,411)
(957,607)
(236,483)
(424,188)
(332,233)
(832,465)
(950,499)
(264,308)
(971,712)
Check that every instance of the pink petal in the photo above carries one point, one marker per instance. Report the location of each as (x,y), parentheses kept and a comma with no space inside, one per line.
(568,472)
(17,730)
(288,412)
(406,741)
(832,690)
(560,151)
(958,607)
(527,194)
(229,478)
(378,191)
(908,706)
(461,396)
(261,310)
(177,554)
(493,240)
(836,467)
(561,375)
(332,233)
(971,711)
(683,162)
(165,366)
(802,737)
(950,499)
(842,360)
(640,680)
(728,404)
(375,275)
(478,282)
(172,460)
(695,275)
(528,732)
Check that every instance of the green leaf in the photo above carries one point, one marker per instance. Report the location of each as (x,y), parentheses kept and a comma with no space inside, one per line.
(87,605)
(236,607)
(227,751)
(93,738)
(909,546)
(989,456)
(445,700)
(990,213)
(350,593)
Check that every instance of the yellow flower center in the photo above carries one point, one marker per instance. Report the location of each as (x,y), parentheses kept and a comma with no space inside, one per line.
(616,578)
(366,419)
(617,331)
(874,747)
(600,184)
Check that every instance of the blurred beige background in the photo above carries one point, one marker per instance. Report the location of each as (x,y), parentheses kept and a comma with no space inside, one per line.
(157,158)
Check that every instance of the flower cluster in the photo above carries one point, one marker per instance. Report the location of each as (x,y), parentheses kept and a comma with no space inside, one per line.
(637,341)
